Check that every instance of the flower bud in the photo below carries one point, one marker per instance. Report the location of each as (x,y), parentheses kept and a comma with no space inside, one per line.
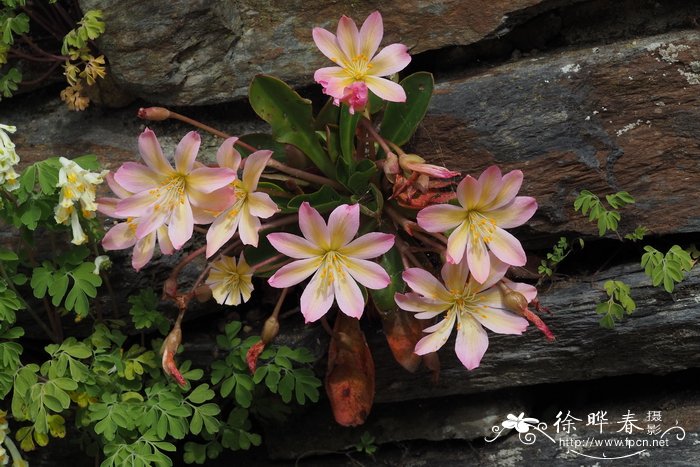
(154,113)
(515,301)
(270,329)
(391,166)
(408,161)
(202,293)
(170,287)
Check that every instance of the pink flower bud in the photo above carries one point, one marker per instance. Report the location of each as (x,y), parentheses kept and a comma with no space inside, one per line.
(153,113)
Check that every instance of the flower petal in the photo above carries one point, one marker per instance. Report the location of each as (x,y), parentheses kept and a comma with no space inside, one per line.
(441,217)
(254,166)
(515,213)
(385,89)
(437,337)
(413,302)
(368,246)
(227,156)
(143,251)
(507,248)
(152,154)
(108,206)
(327,44)
(221,230)
(343,224)
(248,227)
(293,246)
(479,259)
(499,321)
(166,246)
(472,342)
(371,34)
(119,237)
(294,272)
(456,275)
(116,188)
(348,37)
(150,222)
(134,177)
(261,205)
(457,243)
(348,295)
(313,226)
(331,73)
(391,59)
(496,270)
(367,273)
(469,192)
(181,225)
(317,297)
(186,152)
(510,186)
(214,202)
(424,283)
(490,181)
(137,205)
(208,179)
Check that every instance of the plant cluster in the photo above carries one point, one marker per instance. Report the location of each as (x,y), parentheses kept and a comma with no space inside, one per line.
(40,36)
(662,269)
(331,197)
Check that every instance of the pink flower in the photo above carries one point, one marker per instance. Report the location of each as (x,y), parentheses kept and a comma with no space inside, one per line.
(487,207)
(248,206)
(176,197)
(415,163)
(471,304)
(123,234)
(354,52)
(355,96)
(334,258)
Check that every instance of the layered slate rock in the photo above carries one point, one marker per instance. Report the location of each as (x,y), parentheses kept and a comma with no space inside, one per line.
(618,117)
(186,53)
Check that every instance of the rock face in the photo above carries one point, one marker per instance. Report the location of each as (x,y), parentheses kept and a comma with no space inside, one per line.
(609,118)
(201,52)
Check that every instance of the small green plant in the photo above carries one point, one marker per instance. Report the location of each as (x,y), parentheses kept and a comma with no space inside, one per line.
(618,304)
(560,251)
(366,444)
(607,219)
(663,269)
(639,232)
(666,269)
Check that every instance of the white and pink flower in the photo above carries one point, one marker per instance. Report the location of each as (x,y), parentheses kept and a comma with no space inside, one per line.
(358,67)
(175,197)
(487,207)
(123,234)
(470,304)
(336,261)
(248,206)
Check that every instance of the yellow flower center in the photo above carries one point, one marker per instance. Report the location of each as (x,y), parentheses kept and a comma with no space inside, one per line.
(171,193)
(480,226)
(332,265)
(358,67)
(466,302)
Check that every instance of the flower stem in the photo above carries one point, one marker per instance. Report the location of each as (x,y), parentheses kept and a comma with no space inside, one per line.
(375,136)
(272,163)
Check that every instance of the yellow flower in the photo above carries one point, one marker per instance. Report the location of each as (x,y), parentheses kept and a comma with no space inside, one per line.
(230,281)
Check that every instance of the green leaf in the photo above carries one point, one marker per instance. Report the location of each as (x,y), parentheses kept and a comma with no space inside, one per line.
(290,117)
(324,200)
(348,125)
(383,299)
(8,255)
(144,311)
(401,119)
(9,82)
(362,174)
(201,394)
